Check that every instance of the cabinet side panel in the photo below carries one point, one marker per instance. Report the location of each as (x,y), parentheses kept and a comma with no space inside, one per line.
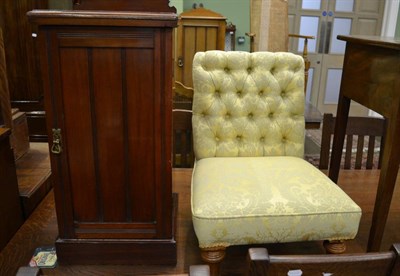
(78,132)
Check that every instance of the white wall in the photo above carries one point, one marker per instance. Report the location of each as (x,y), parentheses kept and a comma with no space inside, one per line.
(390,18)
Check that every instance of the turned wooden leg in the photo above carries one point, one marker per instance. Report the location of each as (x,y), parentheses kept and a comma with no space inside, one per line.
(335,247)
(213,257)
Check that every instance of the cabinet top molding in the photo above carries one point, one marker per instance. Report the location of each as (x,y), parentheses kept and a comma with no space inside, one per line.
(103,18)
(124,5)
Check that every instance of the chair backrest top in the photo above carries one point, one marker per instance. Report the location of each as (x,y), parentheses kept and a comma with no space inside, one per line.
(248,104)
(365,264)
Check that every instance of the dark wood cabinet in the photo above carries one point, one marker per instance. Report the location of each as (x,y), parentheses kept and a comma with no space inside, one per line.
(107,79)
(10,206)
(23,71)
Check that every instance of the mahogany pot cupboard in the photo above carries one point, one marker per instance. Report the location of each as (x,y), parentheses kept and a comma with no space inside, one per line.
(107,78)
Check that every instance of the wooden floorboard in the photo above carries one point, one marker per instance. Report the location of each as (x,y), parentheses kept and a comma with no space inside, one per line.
(41,229)
(34,176)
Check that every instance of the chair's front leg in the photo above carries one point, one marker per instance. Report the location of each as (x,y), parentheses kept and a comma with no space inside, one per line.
(213,256)
(335,247)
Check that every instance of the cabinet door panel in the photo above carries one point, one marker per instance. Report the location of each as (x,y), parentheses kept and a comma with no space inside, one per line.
(113,135)
(109,132)
(77,132)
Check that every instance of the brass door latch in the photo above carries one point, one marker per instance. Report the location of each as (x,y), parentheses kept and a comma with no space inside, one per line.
(56,148)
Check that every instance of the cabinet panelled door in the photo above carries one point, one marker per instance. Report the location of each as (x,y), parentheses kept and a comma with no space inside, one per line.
(111,124)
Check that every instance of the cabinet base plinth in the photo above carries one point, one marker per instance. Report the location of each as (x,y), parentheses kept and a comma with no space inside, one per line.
(103,251)
(120,251)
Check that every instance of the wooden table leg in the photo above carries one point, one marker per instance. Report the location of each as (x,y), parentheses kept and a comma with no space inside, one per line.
(338,139)
(387,180)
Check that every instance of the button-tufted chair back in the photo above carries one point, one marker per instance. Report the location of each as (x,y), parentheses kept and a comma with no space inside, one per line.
(248,104)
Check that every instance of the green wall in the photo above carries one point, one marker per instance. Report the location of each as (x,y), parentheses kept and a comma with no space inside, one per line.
(178,4)
(235,11)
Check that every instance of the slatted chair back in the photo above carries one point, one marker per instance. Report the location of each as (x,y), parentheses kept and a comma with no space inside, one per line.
(360,127)
(183,156)
(259,263)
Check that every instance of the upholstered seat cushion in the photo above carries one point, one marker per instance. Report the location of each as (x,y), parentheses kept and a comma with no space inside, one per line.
(249,200)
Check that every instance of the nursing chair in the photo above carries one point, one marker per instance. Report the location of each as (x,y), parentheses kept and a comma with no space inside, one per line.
(250,183)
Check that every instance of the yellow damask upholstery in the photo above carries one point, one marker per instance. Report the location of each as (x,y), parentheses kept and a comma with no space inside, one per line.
(250,183)
(248,104)
(253,200)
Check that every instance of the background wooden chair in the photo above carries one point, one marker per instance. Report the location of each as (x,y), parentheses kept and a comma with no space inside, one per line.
(357,127)
(183,156)
(182,142)
(307,63)
(365,264)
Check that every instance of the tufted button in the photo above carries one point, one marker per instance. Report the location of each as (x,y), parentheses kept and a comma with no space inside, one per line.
(217,93)
(227,115)
(249,70)
(203,114)
(227,70)
(271,115)
(261,92)
(250,115)
(262,139)
(284,139)
(239,137)
(283,94)
(239,93)
(217,138)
